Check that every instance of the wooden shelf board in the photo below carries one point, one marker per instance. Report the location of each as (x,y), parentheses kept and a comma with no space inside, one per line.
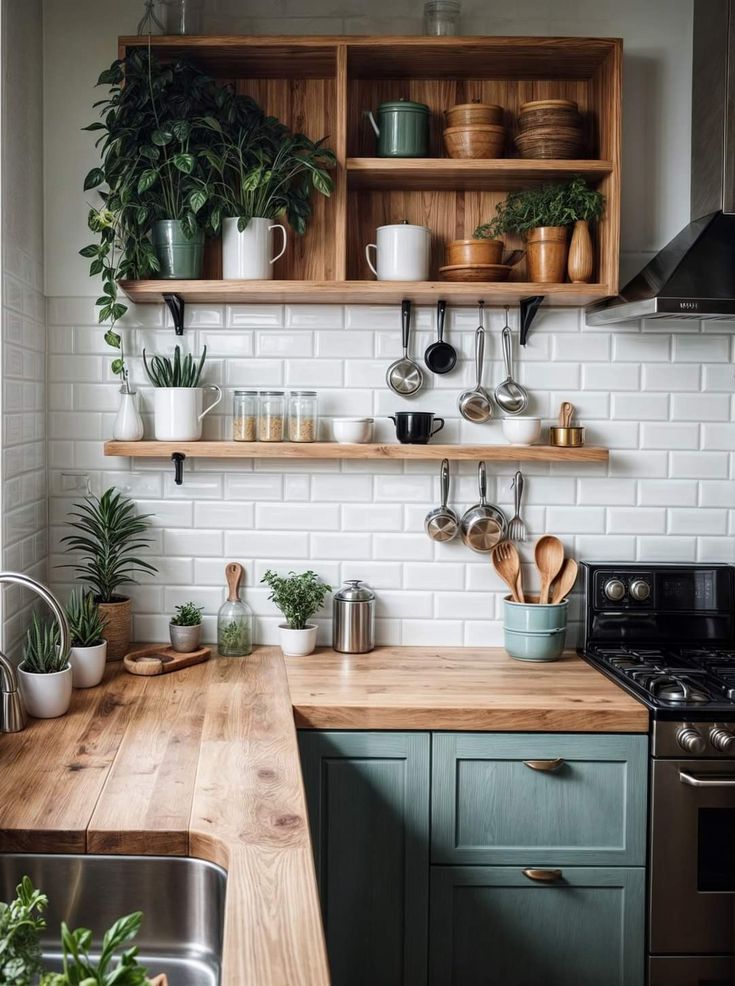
(333,450)
(360,292)
(502,174)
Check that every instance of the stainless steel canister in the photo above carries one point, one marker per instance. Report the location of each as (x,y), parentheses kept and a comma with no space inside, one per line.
(353,623)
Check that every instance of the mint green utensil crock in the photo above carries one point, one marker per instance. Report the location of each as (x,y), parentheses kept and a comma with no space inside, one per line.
(402,128)
(180,258)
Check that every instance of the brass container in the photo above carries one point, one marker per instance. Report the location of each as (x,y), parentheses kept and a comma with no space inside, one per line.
(566,437)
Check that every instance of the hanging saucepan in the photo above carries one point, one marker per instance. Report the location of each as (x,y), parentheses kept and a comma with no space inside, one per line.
(442,523)
(440,357)
(483,525)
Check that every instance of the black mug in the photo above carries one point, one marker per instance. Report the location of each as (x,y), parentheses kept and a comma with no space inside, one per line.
(415,427)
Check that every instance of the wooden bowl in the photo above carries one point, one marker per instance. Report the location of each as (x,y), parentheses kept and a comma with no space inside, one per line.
(478,141)
(465,114)
(475,272)
(549,104)
(549,118)
(543,146)
(470,252)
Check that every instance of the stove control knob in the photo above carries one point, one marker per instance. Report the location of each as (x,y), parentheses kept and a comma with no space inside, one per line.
(722,738)
(691,740)
(640,590)
(614,589)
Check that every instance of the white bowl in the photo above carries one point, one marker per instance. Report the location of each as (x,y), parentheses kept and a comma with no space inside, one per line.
(352,431)
(522,431)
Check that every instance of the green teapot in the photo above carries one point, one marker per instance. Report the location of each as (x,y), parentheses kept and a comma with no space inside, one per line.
(402,128)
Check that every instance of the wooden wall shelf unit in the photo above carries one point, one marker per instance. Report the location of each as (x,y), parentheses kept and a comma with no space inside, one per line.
(323,85)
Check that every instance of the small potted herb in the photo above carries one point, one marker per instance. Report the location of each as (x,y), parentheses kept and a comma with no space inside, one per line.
(45,673)
(88,652)
(178,403)
(298,597)
(21,921)
(186,628)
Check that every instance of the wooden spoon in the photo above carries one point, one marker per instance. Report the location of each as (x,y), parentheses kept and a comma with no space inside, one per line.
(566,413)
(507,564)
(565,581)
(549,554)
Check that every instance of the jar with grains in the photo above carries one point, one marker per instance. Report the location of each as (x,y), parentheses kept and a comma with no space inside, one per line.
(245,416)
(271,415)
(302,416)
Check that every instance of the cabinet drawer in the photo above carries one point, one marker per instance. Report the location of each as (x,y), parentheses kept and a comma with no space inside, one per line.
(493,802)
(492,926)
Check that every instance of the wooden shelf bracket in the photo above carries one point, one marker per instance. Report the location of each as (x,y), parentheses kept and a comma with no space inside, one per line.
(176,305)
(529,307)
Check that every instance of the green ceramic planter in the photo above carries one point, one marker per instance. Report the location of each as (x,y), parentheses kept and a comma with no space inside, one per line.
(544,645)
(180,258)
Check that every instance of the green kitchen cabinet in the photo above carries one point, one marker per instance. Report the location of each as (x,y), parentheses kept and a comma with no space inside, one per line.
(368,802)
(492,926)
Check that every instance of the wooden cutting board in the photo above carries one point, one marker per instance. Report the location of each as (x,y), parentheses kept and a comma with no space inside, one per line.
(162,659)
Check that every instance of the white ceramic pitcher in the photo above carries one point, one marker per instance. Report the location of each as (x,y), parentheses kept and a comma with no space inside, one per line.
(402,253)
(178,412)
(249,255)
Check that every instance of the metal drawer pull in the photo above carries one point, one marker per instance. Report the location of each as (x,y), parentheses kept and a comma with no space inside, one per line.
(545,765)
(543,876)
(706,780)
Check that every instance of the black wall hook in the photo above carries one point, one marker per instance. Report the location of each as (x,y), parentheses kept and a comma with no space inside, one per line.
(178,459)
(529,307)
(176,305)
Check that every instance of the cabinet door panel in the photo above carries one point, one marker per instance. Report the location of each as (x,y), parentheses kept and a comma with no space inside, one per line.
(492,926)
(489,804)
(368,800)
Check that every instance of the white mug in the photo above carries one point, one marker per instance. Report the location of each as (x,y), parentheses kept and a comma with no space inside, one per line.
(249,255)
(179,411)
(402,253)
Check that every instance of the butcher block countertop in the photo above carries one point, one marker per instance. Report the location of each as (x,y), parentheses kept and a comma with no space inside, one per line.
(204,762)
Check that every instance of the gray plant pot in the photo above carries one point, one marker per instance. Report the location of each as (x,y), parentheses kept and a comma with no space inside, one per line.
(180,258)
(185,639)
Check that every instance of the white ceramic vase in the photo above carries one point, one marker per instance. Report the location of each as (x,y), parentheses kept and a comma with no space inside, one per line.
(88,665)
(128,425)
(178,412)
(297,643)
(46,696)
(249,255)
(402,253)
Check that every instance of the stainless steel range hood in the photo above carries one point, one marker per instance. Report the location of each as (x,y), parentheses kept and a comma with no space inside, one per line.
(694,275)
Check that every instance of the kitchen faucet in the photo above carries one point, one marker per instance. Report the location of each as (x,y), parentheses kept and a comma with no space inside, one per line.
(12,711)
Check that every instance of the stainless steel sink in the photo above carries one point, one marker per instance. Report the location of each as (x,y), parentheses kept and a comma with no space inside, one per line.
(183,902)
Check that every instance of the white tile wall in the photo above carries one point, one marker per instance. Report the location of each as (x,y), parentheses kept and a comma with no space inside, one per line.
(667,493)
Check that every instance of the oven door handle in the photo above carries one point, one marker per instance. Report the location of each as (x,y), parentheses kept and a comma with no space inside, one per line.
(706,780)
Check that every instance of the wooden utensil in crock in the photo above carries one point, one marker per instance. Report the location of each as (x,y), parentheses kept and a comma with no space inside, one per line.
(566,435)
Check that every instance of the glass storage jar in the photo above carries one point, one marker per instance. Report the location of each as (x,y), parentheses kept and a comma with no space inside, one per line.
(271,415)
(441,17)
(245,416)
(302,416)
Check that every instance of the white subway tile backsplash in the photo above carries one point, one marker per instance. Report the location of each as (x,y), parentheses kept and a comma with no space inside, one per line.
(640,407)
(667,435)
(705,349)
(641,348)
(700,407)
(285,345)
(611,376)
(695,465)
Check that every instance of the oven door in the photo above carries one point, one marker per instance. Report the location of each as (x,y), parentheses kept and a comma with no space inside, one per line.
(692,872)
(691,970)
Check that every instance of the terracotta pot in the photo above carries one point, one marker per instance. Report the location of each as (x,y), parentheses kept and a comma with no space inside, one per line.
(466,113)
(468,252)
(581,256)
(546,254)
(477,141)
(117,617)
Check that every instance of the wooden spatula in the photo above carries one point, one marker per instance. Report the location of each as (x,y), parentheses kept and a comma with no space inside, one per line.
(549,553)
(564,581)
(507,564)
(566,413)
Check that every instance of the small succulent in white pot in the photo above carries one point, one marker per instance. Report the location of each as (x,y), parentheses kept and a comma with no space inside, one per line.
(45,673)
(88,652)
(186,628)
(298,597)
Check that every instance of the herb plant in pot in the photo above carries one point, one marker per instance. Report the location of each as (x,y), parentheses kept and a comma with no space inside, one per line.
(179,399)
(298,597)
(88,651)
(185,628)
(108,535)
(45,672)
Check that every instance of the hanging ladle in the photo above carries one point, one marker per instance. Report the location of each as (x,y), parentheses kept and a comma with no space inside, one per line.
(476,404)
(440,357)
(510,396)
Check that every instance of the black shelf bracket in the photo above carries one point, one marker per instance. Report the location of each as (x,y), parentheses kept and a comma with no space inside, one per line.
(176,305)
(529,307)
(178,459)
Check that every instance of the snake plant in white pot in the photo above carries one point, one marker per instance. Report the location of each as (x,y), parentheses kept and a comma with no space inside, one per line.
(298,597)
(178,398)
(45,673)
(88,653)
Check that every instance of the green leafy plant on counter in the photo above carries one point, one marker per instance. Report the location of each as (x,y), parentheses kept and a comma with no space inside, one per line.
(109,533)
(86,625)
(234,639)
(548,205)
(20,923)
(41,652)
(80,969)
(164,371)
(188,615)
(298,597)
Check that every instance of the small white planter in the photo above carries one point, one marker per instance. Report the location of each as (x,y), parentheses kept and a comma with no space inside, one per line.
(297,643)
(88,665)
(249,255)
(178,412)
(46,696)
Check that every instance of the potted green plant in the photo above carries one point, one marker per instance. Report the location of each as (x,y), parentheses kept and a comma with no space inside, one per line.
(178,403)
(108,536)
(45,673)
(542,216)
(21,921)
(88,651)
(298,597)
(185,628)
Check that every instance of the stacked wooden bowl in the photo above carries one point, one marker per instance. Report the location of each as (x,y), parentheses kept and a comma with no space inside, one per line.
(475,130)
(550,128)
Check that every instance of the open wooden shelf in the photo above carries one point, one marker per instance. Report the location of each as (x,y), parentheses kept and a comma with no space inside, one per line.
(333,450)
